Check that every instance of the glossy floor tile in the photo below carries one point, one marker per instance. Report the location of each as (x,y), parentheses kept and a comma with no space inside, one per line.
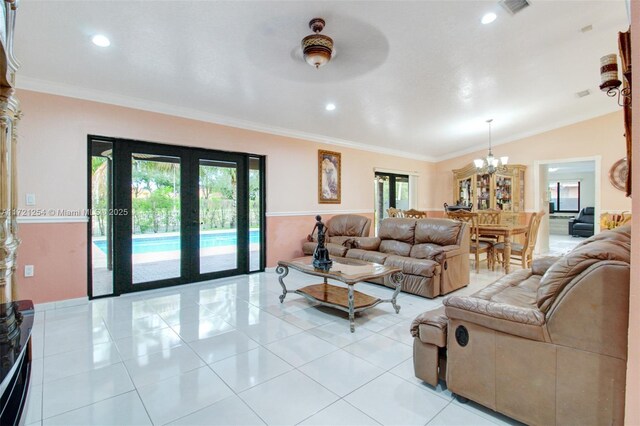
(178,396)
(248,369)
(227,352)
(288,399)
(339,413)
(389,400)
(119,410)
(341,372)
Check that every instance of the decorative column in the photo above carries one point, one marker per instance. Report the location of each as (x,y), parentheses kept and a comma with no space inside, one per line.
(9,116)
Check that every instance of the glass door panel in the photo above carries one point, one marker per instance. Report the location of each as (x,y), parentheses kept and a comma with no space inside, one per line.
(464,192)
(255,214)
(218,216)
(101,221)
(156,243)
(402,192)
(383,199)
(504,191)
(483,189)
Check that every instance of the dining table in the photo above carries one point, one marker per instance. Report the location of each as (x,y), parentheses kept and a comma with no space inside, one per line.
(505,231)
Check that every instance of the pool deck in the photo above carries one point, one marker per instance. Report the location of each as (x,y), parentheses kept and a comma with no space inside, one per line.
(153,271)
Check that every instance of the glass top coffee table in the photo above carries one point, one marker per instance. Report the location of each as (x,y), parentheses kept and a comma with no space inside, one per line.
(348,271)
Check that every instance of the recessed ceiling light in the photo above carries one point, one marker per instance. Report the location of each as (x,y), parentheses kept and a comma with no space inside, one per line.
(488,18)
(553,169)
(101,40)
(330,107)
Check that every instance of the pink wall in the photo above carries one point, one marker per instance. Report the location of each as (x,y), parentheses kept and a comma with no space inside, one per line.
(59,253)
(602,136)
(632,415)
(52,165)
(281,228)
(53,139)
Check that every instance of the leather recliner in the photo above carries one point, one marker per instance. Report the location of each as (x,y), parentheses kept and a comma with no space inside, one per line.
(582,225)
(341,231)
(546,345)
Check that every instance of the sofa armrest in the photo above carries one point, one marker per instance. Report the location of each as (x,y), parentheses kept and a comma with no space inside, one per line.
(453,250)
(367,243)
(436,319)
(541,264)
(500,311)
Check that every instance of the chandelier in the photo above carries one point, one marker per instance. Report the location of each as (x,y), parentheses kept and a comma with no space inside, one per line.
(317,48)
(491,164)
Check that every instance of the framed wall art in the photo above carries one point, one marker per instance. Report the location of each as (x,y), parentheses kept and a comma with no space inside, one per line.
(329,177)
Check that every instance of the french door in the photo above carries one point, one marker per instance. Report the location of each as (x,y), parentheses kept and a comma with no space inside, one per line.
(177,215)
(391,190)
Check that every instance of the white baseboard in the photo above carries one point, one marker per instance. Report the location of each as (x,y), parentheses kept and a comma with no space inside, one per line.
(60,304)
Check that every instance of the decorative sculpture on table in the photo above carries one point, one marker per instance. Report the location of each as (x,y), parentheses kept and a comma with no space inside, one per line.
(321,253)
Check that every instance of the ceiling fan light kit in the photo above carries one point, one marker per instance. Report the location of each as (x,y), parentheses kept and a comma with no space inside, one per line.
(317,48)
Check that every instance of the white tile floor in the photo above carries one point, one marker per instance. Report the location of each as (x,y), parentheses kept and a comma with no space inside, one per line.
(227,352)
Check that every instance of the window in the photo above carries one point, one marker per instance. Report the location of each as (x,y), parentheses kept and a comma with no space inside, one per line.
(564,196)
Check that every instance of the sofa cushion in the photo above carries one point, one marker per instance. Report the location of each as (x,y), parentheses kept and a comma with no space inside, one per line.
(519,289)
(422,267)
(574,263)
(496,310)
(342,240)
(426,251)
(369,256)
(395,247)
(367,243)
(349,225)
(338,250)
(443,232)
(542,264)
(398,229)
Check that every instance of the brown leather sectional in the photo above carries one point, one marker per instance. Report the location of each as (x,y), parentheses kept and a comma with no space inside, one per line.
(432,253)
(342,229)
(545,346)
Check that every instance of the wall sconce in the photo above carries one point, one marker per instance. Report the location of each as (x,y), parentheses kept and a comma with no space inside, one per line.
(609,80)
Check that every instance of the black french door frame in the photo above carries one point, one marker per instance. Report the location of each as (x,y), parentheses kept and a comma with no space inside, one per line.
(190,157)
(392,185)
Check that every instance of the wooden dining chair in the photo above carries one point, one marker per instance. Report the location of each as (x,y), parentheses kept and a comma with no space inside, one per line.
(522,252)
(477,246)
(393,212)
(414,214)
(490,217)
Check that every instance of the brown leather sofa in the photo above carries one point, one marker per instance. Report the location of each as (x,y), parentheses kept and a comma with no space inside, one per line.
(546,345)
(432,253)
(341,231)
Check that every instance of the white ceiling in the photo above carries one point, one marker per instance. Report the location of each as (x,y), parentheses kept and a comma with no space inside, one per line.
(413,77)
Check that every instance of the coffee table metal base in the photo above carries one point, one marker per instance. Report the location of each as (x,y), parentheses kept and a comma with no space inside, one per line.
(345,299)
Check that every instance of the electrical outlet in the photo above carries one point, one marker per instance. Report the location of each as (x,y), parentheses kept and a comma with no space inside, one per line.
(29,270)
(30,199)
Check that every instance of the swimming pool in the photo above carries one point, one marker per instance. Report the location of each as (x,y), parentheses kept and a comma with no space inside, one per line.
(159,244)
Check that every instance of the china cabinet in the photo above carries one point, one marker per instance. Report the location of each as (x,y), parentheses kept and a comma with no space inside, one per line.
(501,190)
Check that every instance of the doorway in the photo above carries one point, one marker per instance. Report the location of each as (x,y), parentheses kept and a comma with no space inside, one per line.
(392,191)
(167,215)
(563,189)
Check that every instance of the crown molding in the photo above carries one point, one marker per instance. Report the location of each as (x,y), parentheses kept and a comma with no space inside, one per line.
(61,89)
